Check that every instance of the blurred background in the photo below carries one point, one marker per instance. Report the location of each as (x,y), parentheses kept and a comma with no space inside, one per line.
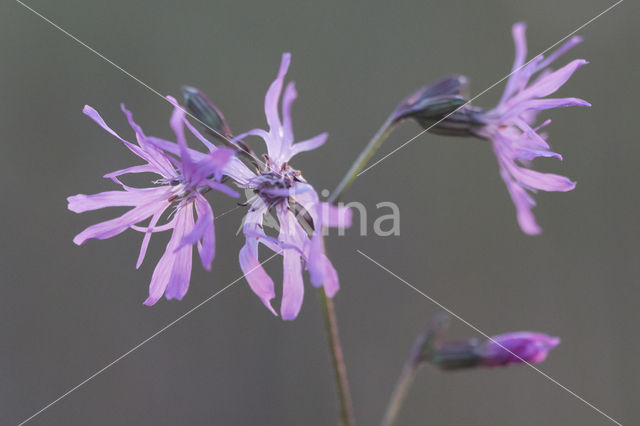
(67,311)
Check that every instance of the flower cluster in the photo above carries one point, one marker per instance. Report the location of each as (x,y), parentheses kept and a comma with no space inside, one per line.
(177,198)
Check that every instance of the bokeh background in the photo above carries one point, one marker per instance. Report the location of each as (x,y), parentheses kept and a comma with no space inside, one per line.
(67,311)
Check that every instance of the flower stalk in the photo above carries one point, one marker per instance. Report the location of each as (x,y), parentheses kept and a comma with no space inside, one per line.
(363,158)
(430,103)
(422,350)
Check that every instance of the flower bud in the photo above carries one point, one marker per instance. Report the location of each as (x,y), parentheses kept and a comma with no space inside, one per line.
(206,112)
(510,348)
(516,348)
(442,108)
(211,117)
(431,103)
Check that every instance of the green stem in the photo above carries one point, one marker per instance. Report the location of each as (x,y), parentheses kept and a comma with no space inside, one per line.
(381,135)
(421,352)
(328,310)
(347,416)
(408,374)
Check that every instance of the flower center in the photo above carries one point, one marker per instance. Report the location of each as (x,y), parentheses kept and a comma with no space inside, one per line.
(275,186)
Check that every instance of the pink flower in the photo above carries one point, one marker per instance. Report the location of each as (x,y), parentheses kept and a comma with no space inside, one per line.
(300,215)
(178,192)
(510,125)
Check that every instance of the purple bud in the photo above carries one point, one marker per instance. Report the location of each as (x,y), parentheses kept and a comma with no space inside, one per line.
(510,348)
(516,348)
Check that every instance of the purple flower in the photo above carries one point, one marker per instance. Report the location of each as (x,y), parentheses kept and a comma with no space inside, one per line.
(178,192)
(276,186)
(510,125)
(516,348)
(300,215)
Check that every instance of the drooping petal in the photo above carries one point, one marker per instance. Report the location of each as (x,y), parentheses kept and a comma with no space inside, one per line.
(542,181)
(293,285)
(147,235)
(161,276)
(181,271)
(321,270)
(523,203)
(258,279)
(204,230)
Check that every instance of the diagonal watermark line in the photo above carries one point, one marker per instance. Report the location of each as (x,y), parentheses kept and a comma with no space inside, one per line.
(142,343)
(489,88)
(441,306)
(124,71)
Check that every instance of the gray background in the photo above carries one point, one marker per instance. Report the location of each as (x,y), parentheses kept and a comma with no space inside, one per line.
(67,311)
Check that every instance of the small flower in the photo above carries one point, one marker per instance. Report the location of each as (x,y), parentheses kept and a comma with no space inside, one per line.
(517,347)
(300,214)
(179,190)
(509,126)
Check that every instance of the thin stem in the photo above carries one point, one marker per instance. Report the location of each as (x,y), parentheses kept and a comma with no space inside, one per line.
(328,310)
(381,135)
(400,391)
(421,352)
(347,416)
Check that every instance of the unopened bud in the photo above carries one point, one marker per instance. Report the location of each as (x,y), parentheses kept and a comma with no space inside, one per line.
(431,103)
(206,112)
(510,348)
(442,107)
(211,117)
(516,348)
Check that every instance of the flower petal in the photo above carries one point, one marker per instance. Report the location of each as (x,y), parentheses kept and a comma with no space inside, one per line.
(120,224)
(293,285)
(143,168)
(177,125)
(308,145)
(336,216)
(81,203)
(258,279)
(549,84)
(519,38)
(271,104)
(147,236)
(289,96)
(181,271)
